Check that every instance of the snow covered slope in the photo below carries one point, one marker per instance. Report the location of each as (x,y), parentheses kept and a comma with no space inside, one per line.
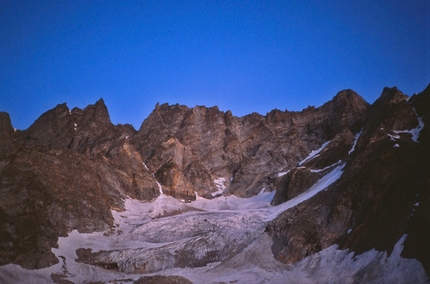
(208,241)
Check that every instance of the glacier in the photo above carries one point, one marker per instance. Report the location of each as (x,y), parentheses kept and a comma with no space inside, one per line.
(221,240)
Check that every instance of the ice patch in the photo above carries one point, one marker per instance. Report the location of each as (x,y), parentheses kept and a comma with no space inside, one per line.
(167,205)
(314,153)
(231,202)
(355,141)
(219,183)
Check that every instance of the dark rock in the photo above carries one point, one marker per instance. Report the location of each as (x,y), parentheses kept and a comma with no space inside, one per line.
(161,279)
(376,200)
(7,135)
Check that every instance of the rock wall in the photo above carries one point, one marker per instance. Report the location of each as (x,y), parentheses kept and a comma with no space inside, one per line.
(192,147)
(72,167)
(382,194)
(66,172)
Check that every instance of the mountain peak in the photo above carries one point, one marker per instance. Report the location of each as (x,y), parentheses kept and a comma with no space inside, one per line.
(348,97)
(100,102)
(392,95)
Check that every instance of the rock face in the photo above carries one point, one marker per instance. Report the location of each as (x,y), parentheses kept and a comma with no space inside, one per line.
(67,171)
(7,145)
(193,147)
(72,167)
(382,194)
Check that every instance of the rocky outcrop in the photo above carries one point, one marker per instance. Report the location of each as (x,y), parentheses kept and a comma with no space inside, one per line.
(66,172)
(192,147)
(418,230)
(88,131)
(382,194)
(7,135)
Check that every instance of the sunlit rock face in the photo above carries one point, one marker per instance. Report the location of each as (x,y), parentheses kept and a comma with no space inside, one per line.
(216,189)
(67,171)
(192,147)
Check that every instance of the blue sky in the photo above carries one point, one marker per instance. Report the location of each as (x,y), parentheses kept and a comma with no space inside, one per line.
(244,56)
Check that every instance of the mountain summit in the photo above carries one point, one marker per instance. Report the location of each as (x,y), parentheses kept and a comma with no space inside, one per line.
(286,187)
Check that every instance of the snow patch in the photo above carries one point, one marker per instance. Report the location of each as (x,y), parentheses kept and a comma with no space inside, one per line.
(219,183)
(393,137)
(319,186)
(146,167)
(160,188)
(355,141)
(314,153)
(283,173)
(415,132)
(332,265)
(326,168)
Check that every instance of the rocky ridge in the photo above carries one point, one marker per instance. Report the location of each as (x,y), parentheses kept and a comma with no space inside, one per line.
(382,194)
(65,172)
(189,148)
(71,167)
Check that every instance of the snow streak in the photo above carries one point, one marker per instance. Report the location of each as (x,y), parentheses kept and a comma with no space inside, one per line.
(415,132)
(319,186)
(314,153)
(357,136)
